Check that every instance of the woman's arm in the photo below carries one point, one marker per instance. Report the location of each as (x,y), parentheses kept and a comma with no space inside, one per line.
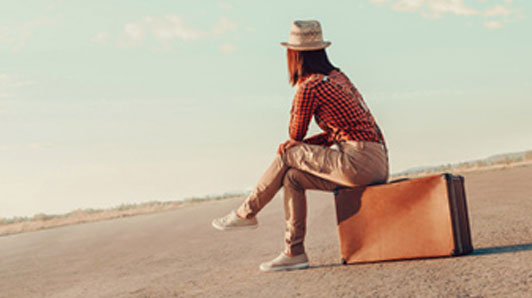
(303,108)
(319,139)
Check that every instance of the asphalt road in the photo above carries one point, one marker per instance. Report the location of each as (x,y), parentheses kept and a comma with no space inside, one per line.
(178,254)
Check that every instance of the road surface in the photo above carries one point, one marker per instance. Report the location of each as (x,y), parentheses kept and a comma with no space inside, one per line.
(178,254)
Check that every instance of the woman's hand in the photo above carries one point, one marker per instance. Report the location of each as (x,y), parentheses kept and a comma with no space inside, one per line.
(287,145)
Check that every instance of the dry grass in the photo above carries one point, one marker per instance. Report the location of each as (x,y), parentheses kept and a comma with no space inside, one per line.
(41,221)
(461,170)
(495,162)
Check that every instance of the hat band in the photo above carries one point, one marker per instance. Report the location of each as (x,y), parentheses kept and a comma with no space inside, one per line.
(305,44)
(305,33)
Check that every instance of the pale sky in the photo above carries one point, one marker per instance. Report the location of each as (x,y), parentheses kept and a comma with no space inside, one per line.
(110,102)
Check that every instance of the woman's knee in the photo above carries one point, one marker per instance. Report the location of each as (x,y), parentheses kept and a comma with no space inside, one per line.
(294,154)
(292,178)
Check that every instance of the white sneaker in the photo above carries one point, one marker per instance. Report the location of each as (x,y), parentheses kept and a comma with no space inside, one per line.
(234,222)
(284,262)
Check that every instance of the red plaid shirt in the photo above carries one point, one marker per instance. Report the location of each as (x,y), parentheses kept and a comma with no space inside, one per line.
(337,107)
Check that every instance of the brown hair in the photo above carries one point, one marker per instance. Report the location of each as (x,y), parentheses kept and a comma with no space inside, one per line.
(304,63)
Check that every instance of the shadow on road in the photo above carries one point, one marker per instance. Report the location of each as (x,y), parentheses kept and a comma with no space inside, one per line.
(501,249)
(324,266)
(476,252)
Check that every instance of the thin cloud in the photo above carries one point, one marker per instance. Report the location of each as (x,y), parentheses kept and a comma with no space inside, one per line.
(101,37)
(498,10)
(134,32)
(434,8)
(228,48)
(440,8)
(225,5)
(162,29)
(10,84)
(493,24)
(166,29)
(172,27)
(16,37)
(224,25)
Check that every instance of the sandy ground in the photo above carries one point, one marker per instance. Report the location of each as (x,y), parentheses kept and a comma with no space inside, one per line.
(178,254)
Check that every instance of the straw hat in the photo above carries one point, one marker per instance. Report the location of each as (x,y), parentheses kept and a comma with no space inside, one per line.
(306,36)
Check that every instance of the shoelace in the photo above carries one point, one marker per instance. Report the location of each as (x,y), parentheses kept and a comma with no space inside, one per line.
(226,218)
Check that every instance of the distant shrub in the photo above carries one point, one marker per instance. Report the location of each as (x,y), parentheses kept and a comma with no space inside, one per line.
(91,210)
(481,163)
(123,207)
(42,216)
(15,219)
(528,155)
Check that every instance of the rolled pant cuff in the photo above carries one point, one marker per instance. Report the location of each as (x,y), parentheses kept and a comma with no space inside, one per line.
(294,250)
(245,211)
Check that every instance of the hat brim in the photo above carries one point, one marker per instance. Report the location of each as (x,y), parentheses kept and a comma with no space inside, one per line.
(307,47)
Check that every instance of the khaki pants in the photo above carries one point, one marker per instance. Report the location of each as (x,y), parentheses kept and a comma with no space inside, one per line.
(314,167)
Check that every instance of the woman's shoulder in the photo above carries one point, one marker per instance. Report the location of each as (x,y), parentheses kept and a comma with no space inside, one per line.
(338,76)
(312,80)
(343,80)
(335,75)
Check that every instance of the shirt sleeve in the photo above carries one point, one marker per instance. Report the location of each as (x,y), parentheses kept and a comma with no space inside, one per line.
(319,139)
(303,108)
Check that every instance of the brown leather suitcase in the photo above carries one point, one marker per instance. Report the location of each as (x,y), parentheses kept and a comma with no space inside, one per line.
(413,218)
